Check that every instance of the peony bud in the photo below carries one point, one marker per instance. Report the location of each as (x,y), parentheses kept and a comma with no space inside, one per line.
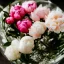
(9,20)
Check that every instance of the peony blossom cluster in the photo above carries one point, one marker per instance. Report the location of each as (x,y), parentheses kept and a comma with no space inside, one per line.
(26,18)
(55,21)
(40,13)
(25,45)
(17,12)
(12,51)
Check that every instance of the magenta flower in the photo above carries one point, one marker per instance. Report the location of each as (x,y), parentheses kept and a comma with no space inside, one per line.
(9,20)
(24,25)
(17,15)
(17,12)
(29,6)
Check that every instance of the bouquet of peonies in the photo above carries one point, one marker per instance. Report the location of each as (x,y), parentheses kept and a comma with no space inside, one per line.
(33,33)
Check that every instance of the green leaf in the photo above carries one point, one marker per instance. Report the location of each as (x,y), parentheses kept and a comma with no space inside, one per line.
(7,44)
(6,14)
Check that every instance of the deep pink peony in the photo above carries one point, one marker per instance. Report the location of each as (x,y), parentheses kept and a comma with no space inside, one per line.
(29,6)
(24,25)
(9,20)
(17,15)
(17,12)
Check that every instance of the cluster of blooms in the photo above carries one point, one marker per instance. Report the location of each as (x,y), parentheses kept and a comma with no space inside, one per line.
(54,21)
(25,45)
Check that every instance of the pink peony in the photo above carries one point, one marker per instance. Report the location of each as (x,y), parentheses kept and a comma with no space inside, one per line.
(24,25)
(29,6)
(17,16)
(17,12)
(9,20)
(40,12)
(34,17)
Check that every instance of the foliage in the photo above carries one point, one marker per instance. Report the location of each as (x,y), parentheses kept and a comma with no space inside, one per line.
(47,47)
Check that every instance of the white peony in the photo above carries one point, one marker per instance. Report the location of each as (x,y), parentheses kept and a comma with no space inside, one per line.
(12,53)
(55,21)
(26,45)
(15,43)
(37,29)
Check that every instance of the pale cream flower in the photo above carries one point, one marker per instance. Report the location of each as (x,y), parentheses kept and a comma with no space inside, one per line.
(12,53)
(55,21)
(37,29)
(15,43)
(26,45)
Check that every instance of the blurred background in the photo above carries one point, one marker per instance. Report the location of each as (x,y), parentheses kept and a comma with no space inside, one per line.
(4,3)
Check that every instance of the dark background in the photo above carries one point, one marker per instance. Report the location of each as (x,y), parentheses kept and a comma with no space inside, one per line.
(59,3)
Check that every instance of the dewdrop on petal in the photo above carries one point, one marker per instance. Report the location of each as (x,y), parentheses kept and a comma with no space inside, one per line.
(26,45)
(37,29)
(12,53)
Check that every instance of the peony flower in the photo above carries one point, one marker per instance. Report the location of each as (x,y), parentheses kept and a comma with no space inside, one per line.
(26,45)
(29,6)
(9,20)
(17,15)
(17,12)
(24,25)
(15,43)
(37,29)
(34,16)
(55,21)
(40,12)
(12,53)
